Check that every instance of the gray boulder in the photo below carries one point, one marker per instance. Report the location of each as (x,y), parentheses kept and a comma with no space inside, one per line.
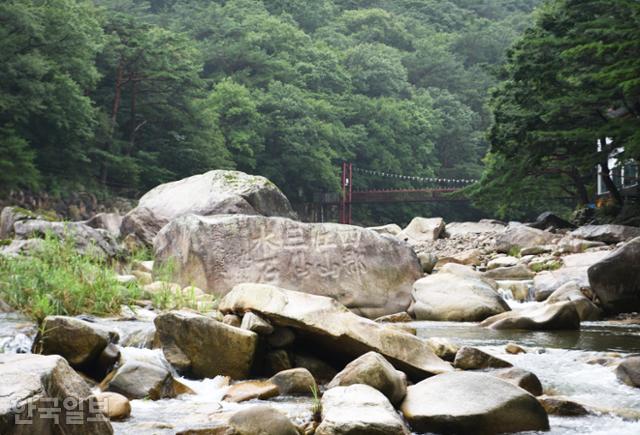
(616,279)
(32,383)
(519,271)
(607,233)
(629,371)
(78,341)
(521,378)
(455,229)
(467,402)
(110,222)
(359,410)
(294,382)
(374,370)
(263,420)
(369,273)
(87,239)
(422,230)
(454,297)
(212,193)
(387,230)
(518,236)
(332,330)
(471,358)
(587,310)
(574,268)
(549,220)
(205,348)
(541,317)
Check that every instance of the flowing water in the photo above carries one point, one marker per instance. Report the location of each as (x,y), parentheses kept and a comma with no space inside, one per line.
(578,365)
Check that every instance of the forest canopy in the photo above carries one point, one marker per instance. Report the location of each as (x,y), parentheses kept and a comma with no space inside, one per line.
(121,95)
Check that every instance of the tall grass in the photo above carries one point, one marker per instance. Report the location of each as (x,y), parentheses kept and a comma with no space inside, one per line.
(57,279)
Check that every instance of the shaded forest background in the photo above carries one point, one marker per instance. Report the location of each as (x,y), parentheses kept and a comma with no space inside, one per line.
(117,96)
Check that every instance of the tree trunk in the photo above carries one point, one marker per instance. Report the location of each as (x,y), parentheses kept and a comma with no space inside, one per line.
(581,189)
(114,117)
(606,174)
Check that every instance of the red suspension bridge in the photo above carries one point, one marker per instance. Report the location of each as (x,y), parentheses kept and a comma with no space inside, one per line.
(435,190)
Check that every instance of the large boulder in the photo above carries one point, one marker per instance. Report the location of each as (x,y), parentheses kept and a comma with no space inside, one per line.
(454,297)
(294,382)
(34,389)
(541,317)
(616,279)
(607,233)
(9,216)
(203,347)
(422,230)
(80,342)
(548,220)
(359,410)
(587,310)
(373,370)
(575,267)
(628,371)
(212,193)
(521,378)
(519,236)
(367,272)
(332,330)
(86,239)
(466,402)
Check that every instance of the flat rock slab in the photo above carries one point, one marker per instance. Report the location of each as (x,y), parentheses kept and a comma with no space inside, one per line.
(369,273)
(332,328)
(607,233)
(357,410)
(541,317)
(464,402)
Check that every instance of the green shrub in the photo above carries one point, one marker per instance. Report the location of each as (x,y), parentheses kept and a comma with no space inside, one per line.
(56,279)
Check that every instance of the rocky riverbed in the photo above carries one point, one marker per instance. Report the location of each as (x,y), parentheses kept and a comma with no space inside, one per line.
(280,327)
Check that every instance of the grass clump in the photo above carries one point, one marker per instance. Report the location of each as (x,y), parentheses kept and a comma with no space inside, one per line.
(514,251)
(316,407)
(56,279)
(549,265)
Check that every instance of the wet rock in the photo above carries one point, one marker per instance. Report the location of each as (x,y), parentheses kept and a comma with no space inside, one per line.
(421,230)
(263,420)
(356,410)
(369,273)
(570,292)
(387,230)
(521,378)
(451,297)
(213,193)
(471,358)
(374,370)
(443,348)
(281,337)
(542,317)
(556,405)
(333,330)
(115,406)
(36,381)
(110,222)
(255,323)
(629,371)
(467,402)
(320,370)
(86,239)
(205,347)
(607,233)
(616,279)
(514,349)
(294,382)
(548,220)
(78,341)
(518,236)
(402,317)
(249,390)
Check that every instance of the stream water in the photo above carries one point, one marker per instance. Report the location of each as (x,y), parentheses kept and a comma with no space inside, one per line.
(578,365)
